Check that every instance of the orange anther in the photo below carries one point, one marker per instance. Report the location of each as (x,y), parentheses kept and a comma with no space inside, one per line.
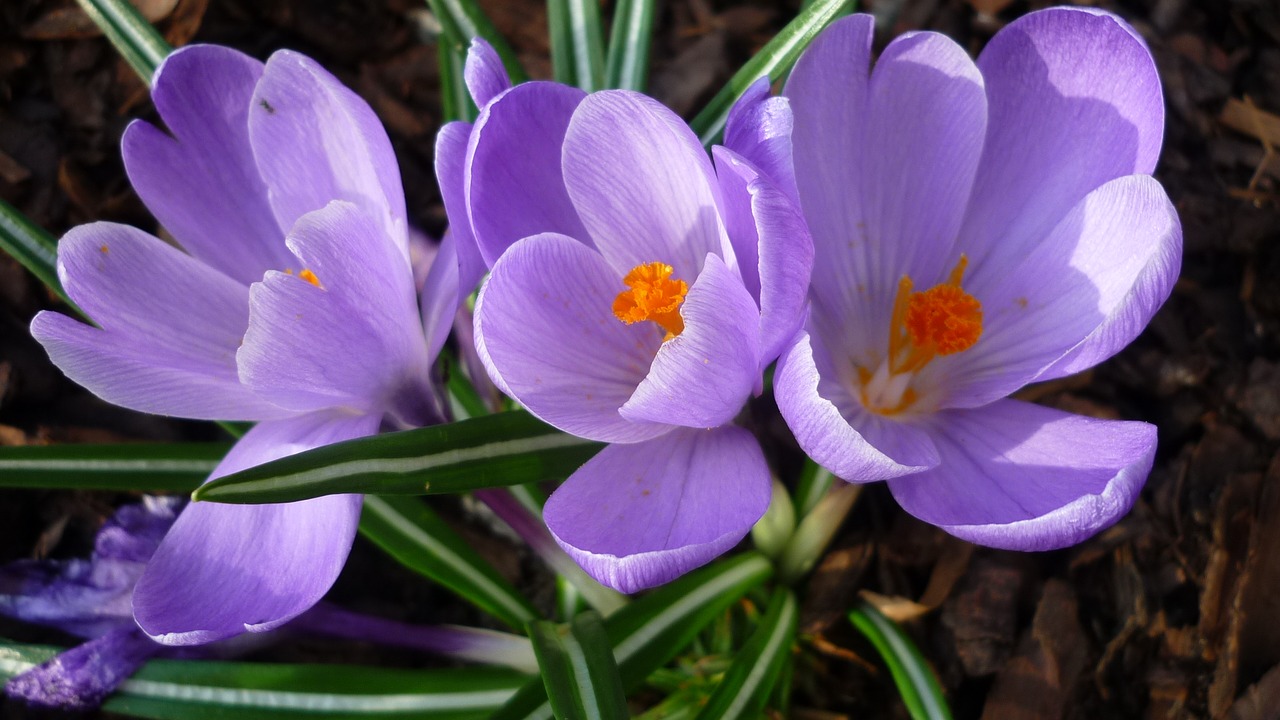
(653,296)
(944,318)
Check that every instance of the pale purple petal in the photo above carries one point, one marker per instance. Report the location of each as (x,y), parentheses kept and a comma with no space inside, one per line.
(82,677)
(356,340)
(642,184)
(1075,102)
(831,425)
(702,377)
(202,183)
(316,141)
(513,182)
(759,129)
(440,297)
(485,76)
(546,332)
(640,515)
(1100,274)
(226,569)
(1024,477)
(170,326)
(451,160)
(774,249)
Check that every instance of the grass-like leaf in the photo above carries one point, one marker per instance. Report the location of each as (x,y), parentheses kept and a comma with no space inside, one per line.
(176,467)
(915,679)
(653,629)
(31,246)
(411,533)
(198,690)
(490,451)
(464,19)
(455,101)
(757,667)
(133,37)
(627,65)
(578,669)
(577,48)
(773,60)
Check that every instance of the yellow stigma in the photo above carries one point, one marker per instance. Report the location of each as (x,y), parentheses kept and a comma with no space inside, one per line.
(653,296)
(942,320)
(306,275)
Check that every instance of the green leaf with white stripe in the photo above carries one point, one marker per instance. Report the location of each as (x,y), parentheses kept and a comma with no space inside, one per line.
(509,448)
(577,48)
(627,65)
(756,668)
(415,536)
(650,631)
(774,60)
(31,246)
(133,37)
(911,673)
(464,20)
(174,467)
(198,690)
(578,669)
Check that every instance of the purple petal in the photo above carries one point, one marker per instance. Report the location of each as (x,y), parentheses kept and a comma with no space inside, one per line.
(702,377)
(82,677)
(170,326)
(774,249)
(356,340)
(642,184)
(225,569)
(514,184)
(884,167)
(1075,102)
(640,515)
(134,531)
(759,129)
(440,297)
(1024,477)
(316,141)
(546,332)
(833,428)
(485,76)
(202,183)
(1098,277)
(451,161)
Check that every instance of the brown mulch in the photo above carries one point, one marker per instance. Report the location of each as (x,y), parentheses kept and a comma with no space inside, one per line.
(1172,613)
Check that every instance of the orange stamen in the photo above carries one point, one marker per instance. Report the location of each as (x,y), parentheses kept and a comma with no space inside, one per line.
(306,275)
(653,296)
(942,320)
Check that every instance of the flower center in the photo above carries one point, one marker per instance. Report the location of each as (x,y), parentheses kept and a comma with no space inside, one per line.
(942,320)
(653,296)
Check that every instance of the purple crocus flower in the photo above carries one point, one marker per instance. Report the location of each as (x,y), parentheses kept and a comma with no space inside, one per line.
(636,293)
(294,306)
(978,227)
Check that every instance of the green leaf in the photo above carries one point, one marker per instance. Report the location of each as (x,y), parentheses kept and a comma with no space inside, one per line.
(455,100)
(911,673)
(815,481)
(416,537)
(773,60)
(756,668)
(578,669)
(31,246)
(494,450)
(199,690)
(627,66)
(176,467)
(648,632)
(577,50)
(465,20)
(133,37)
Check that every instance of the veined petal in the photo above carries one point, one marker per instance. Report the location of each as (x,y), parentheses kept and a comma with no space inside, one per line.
(759,129)
(1024,477)
(485,76)
(546,332)
(226,569)
(82,677)
(316,141)
(640,515)
(642,184)
(451,161)
(1098,277)
(1088,86)
(513,181)
(202,183)
(702,377)
(355,340)
(170,326)
(440,297)
(831,426)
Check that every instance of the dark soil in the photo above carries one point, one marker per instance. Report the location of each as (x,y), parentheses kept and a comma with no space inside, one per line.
(1172,613)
